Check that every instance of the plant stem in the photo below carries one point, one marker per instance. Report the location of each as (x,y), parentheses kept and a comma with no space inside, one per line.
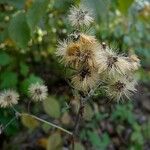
(49,123)
(78,117)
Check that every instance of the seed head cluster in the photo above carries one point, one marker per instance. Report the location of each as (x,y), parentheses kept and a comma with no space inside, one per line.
(96,62)
(37,92)
(8,98)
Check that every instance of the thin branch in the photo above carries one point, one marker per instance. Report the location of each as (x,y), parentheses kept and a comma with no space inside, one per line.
(49,123)
(42,120)
(78,118)
(77,122)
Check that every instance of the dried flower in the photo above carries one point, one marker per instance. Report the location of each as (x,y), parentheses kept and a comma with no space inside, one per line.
(87,39)
(8,98)
(112,63)
(85,80)
(120,88)
(38,92)
(79,53)
(62,48)
(80,16)
(96,63)
(134,62)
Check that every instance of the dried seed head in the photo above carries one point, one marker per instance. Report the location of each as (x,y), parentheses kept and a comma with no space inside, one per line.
(73,49)
(80,16)
(120,88)
(38,92)
(112,64)
(134,62)
(85,80)
(111,60)
(8,98)
(75,36)
(87,39)
(79,53)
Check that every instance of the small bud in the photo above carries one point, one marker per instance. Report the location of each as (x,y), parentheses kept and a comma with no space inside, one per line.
(104,45)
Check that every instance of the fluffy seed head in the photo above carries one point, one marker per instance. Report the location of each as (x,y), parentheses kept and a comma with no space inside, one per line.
(38,92)
(80,16)
(120,88)
(134,62)
(79,53)
(8,98)
(112,63)
(85,80)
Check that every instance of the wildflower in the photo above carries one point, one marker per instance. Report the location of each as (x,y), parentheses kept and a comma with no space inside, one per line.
(112,63)
(120,88)
(85,80)
(80,16)
(79,53)
(8,98)
(38,92)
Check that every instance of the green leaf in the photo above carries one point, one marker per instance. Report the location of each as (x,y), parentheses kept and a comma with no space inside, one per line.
(97,142)
(16,3)
(94,139)
(146,130)
(26,83)
(88,113)
(78,146)
(24,69)
(35,13)
(52,107)
(46,127)
(5,117)
(19,31)
(123,5)
(4,59)
(54,142)
(8,80)
(29,121)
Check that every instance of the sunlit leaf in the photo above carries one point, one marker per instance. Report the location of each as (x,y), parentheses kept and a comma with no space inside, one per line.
(52,107)
(78,146)
(35,12)
(29,121)
(54,142)
(19,31)
(123,5)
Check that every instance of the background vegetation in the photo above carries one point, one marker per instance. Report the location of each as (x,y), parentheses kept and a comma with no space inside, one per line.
(29,32)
